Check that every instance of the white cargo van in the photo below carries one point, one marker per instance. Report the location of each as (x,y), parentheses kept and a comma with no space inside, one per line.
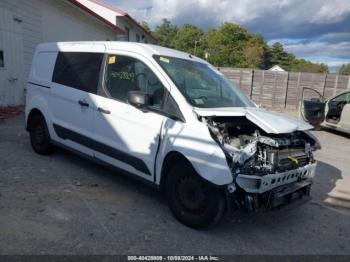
(171,119)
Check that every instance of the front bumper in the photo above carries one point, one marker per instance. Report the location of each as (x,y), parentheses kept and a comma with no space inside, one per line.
(261,184)
(254,193)
(286,194)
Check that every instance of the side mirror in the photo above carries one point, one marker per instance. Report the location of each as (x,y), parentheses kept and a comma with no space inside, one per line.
(139,99)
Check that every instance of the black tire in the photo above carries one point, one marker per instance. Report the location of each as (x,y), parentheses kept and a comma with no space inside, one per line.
(39,135)
(193,201)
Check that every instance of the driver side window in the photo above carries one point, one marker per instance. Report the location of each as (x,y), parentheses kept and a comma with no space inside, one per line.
(342,98)
(125,74)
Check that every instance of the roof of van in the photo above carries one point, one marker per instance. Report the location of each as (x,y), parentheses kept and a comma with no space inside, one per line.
(103,46)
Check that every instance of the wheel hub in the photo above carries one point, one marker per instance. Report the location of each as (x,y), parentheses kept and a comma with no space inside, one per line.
(192,195)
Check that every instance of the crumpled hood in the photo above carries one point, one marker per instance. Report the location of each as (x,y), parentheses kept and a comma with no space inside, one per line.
(270,122)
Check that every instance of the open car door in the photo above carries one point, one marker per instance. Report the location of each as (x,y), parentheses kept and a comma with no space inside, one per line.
(338,112)
(345,118)
(313,106)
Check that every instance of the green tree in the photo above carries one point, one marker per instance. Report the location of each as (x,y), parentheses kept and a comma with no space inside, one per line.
(344,70)
(189,38)
(145,25)
(324,68)
(276,55)
(255,51)
(302,65)
(165,33)
(232,45)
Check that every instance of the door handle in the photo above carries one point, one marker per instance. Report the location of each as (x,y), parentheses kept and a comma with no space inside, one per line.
(104,111)
(12,79)
(83,103)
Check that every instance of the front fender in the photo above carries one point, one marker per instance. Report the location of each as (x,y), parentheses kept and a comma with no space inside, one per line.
(198,147)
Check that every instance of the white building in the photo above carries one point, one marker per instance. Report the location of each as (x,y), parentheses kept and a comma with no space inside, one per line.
(26,23)
(277,68)
(133,31)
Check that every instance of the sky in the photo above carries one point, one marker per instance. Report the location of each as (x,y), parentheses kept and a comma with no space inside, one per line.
(317,30)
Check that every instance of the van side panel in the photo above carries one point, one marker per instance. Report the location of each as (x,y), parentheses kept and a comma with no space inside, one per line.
(192,139)
(39,85)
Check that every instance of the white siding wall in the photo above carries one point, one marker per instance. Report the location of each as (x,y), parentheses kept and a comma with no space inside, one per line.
(41,21)
(31,25)
(122,23)
(31,35)
(63,22)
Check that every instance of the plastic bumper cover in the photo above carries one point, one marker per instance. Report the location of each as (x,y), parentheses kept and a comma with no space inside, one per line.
(262,184)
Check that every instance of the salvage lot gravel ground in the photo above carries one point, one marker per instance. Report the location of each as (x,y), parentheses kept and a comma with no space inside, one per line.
(63,204)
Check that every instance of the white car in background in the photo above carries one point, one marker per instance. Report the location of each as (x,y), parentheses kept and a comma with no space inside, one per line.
(172,120)
(333,113)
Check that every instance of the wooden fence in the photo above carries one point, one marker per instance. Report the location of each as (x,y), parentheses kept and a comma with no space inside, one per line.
(283,90)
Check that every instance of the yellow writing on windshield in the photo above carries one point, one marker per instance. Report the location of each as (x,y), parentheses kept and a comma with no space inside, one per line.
(165,60)
(123,75)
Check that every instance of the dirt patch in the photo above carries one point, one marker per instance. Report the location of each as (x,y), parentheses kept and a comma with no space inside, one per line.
(8,112)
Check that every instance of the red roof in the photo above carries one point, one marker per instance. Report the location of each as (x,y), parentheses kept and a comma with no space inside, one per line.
(122,13)
(102,19)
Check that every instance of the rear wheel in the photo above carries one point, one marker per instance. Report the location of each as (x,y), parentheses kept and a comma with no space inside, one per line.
(39,135)
(194,201)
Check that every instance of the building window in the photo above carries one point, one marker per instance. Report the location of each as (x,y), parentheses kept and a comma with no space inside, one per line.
(127,33)
(78,70)
(137,38)
(2,62)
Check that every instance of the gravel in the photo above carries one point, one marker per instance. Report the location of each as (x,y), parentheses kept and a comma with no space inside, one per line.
(63,204)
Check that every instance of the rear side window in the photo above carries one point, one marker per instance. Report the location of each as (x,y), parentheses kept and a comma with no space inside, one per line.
(78,70)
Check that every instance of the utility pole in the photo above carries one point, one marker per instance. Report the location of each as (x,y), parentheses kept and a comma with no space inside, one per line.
(195,45)
(206,55)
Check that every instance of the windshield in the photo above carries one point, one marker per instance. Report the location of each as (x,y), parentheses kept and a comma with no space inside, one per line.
(202,85)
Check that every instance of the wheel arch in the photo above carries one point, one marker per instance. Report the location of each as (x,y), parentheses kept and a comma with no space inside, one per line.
(37,104)
(212,167)
(33,112)
(170,160)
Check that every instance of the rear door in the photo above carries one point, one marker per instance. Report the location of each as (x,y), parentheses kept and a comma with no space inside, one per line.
(75,79)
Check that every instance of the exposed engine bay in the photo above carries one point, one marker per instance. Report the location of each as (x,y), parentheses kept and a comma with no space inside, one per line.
(249,150)
(264,164)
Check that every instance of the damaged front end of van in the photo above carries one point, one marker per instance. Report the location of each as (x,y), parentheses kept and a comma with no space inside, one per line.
(271,157)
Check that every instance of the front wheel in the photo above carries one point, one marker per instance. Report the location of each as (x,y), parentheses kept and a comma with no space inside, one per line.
(194,201)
